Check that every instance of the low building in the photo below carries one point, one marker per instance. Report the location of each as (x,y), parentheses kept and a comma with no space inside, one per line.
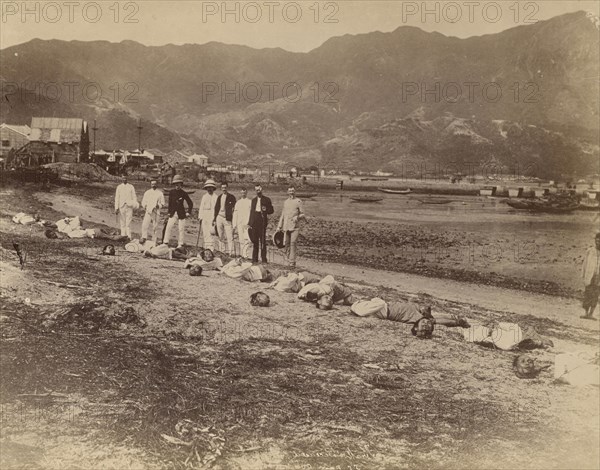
(201,160)
(67,137)
(12,138)
(156,155)
(175,157)
(37,153)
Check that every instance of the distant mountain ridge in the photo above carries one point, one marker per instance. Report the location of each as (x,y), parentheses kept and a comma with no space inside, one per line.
(228,101)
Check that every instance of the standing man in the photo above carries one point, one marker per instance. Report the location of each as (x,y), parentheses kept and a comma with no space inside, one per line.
(260,209)
(177,212)
(289,223)
(591,279)
(206,214)
(152,202)
(241,215)
(125,202)
(223,218)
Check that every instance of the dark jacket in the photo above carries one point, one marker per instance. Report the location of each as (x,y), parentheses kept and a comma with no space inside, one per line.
(267,209)
(176,198)
(229,206)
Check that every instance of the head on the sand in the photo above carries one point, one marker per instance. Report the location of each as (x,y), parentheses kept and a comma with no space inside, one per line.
(524,367)
(423,328)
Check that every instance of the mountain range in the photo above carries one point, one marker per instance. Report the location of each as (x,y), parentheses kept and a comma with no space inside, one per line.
(368,101)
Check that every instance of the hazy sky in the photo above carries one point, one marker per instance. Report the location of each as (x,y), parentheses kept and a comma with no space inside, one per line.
(294,26)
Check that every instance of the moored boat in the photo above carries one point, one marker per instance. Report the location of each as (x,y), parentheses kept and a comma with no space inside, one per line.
(366,198)
(543,206)
(395,191)
(434,200)
(306,195)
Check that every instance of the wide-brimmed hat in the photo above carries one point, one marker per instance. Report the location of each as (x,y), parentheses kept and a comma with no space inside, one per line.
(279,239)
(177,179)
(210,184)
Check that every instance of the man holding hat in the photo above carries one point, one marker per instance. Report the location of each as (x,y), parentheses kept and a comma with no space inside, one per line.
(125,202)
(152,202)
(289,223)
(260,208)
(177,212)
(591,278)
(206,214)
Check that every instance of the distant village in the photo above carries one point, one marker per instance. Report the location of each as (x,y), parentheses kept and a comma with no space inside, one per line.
(67,140)
(51,140)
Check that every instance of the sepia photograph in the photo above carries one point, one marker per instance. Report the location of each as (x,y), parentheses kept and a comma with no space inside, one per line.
(299,235)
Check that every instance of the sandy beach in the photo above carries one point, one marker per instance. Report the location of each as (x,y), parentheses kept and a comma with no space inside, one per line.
(290,385)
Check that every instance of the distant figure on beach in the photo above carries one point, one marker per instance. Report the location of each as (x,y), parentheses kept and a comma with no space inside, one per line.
(289,224)
(125,202)
(260,209)
(590,273)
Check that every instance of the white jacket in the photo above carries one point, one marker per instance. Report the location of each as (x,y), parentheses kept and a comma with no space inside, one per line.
(207,207)
(125,196)
(591,265)
(241,212)
(153,199)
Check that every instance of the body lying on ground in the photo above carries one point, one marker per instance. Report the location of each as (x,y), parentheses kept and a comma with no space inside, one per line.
(294,282)
(246,271)
(327,286)
(505,336)
(407,312)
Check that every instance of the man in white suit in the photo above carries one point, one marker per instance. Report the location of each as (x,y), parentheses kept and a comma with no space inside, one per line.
(152,202)
(241,215)
(125,202)
(206,214)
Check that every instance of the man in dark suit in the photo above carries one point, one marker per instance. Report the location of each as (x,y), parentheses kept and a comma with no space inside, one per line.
(260,208)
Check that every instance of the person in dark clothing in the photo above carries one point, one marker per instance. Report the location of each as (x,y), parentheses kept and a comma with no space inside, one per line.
(177,212)
(260,208)
(223,219)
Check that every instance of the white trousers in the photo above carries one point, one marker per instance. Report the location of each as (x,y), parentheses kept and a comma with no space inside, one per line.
(209,240)
(245,243)
(170,225)
(224,227)
(125,218)
(150,218)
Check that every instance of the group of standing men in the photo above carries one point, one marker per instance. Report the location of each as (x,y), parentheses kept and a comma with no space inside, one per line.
(220,217)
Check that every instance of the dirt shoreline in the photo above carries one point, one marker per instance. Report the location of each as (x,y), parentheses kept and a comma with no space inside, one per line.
(547,264)
(138,347)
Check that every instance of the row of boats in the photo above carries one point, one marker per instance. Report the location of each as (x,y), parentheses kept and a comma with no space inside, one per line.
(553,203)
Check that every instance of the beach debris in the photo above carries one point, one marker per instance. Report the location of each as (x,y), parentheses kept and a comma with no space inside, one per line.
(22,256)
(206,443)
